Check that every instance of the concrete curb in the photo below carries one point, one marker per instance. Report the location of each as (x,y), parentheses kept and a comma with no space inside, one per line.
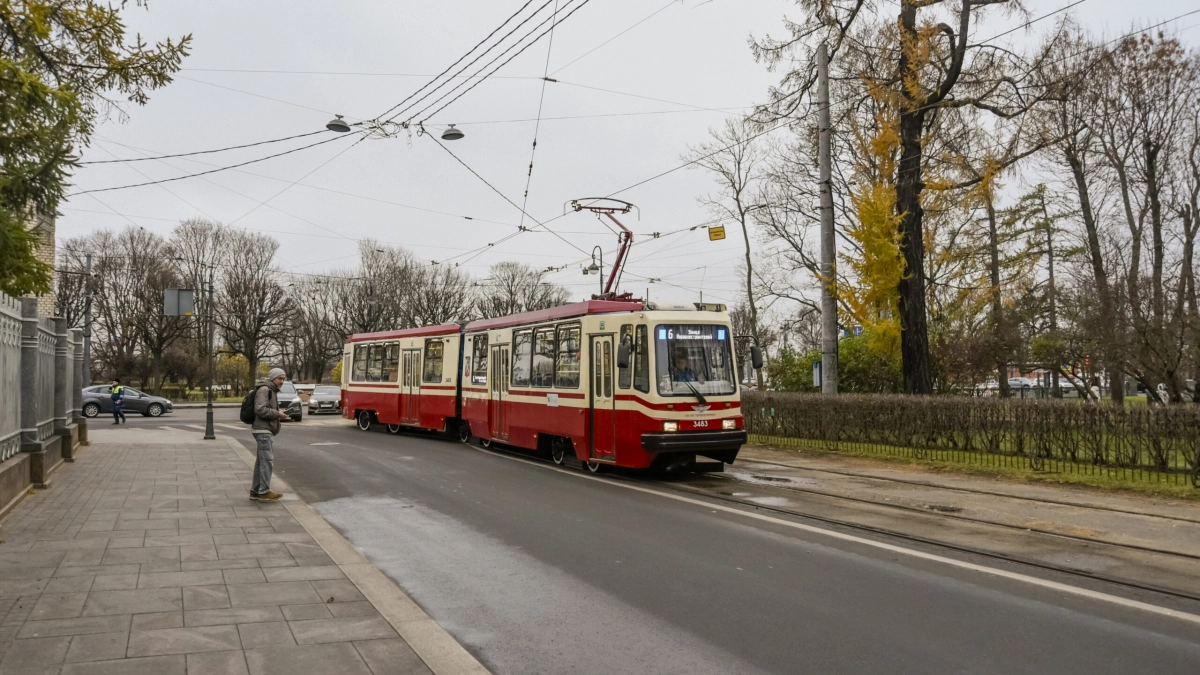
(436,647)
(193,406)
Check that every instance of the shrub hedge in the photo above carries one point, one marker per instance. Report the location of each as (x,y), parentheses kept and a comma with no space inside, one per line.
(1143,442)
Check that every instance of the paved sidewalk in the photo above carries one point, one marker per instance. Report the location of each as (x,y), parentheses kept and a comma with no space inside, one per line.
(148,557)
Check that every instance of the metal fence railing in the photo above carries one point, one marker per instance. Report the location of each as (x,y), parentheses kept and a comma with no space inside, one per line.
(1141,443)
(40,374)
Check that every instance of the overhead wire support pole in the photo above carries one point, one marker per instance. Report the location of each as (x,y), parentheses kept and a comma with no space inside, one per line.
(209,433)
(87,324)
(829,322)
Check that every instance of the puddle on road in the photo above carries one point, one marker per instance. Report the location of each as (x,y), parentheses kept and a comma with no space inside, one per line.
(771,501)
(774,480)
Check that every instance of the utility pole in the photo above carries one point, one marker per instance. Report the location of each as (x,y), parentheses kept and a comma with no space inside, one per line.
(208,416)
(1055,392)
(87,324)
(829,322)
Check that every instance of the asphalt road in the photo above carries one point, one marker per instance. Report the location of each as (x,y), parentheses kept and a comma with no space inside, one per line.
(537,570)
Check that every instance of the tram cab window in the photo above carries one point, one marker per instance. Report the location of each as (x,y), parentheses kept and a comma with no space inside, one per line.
(522,357)
(375,363)
(567,362)
(434,351)
(391,363)
(641,361)
(625,375)
(543,358)
(479,362)
(694,359)
(359,370)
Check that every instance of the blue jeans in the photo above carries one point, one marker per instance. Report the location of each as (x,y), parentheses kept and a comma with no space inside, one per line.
(264,464)
(118,412)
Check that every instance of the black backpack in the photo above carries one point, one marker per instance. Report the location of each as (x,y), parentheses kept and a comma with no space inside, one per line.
(247,413)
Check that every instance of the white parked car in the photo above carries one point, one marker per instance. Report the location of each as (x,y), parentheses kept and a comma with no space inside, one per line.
(1023,383)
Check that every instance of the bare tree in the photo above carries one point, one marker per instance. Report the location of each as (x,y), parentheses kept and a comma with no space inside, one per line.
(736,161)
(253,304)
(513,287)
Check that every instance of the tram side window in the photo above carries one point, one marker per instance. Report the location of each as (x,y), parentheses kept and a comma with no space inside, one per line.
(641,361)
(375,363)
(434,350)
(391,363)
(360,364)
(522,357)
(479,362)
(625,375)
(543,358)
(567,363)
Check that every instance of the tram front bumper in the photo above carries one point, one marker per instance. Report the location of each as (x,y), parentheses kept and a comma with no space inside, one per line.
(703,442)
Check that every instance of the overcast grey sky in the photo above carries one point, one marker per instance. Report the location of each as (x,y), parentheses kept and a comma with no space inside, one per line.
(692,56)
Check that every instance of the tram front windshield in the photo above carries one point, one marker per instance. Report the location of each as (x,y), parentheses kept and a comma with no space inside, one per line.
(694,359)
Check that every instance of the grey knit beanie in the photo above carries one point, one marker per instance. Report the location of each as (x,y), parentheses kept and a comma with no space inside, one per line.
(276,372)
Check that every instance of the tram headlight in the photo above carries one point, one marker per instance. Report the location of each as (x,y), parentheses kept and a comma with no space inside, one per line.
(670,426)
(728,424)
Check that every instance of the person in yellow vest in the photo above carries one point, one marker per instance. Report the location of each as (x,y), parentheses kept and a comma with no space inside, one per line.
(117,393)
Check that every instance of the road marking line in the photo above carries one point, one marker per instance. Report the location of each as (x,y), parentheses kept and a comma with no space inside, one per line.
(982,569)
(195,426)
(431,642)
(229,426)
(170,428)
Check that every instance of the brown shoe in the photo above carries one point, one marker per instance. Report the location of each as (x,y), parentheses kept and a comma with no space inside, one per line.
(271,496)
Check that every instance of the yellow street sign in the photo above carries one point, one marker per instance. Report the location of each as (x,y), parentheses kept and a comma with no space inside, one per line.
(716,233)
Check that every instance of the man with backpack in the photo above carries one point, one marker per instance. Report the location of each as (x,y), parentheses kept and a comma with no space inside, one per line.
(260,409)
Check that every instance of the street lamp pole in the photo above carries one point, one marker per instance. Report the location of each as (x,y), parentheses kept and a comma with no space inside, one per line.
(208,421)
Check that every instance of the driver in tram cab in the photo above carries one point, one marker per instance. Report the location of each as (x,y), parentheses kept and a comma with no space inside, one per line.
(683,368)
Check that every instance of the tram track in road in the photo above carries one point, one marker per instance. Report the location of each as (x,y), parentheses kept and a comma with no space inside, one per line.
(984,521)
(682,489)
(887,532)
(989,493)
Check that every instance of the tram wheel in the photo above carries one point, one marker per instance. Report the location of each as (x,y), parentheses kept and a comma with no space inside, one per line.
(393,428)
(464,432)
(485,442)
(595,467)
(558,453)
(364,420)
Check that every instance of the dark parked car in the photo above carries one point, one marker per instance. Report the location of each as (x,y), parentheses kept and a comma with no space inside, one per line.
(96,400)
(290,403)
(325,399)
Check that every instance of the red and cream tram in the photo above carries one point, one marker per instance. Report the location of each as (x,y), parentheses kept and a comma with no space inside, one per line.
(608,382)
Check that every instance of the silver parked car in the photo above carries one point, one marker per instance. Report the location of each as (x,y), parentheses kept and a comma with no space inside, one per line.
(325,399)
(96,400)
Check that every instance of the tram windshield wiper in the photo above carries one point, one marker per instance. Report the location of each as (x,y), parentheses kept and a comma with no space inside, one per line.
(691,386)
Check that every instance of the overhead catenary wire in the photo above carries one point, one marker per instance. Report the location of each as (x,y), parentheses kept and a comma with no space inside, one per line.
(468,53)
(205,152)
(602,44)
(329,190)
(476,83)
(210,171)
(538,124)
(502,195)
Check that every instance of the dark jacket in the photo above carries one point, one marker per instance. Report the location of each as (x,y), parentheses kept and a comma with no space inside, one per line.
(266,408)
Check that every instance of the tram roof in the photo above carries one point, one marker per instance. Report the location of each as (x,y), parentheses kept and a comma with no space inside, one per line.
(555,313)
(443,329)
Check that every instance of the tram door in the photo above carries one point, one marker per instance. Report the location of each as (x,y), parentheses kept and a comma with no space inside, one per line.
(498,392)
(411,387)
(604,405)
